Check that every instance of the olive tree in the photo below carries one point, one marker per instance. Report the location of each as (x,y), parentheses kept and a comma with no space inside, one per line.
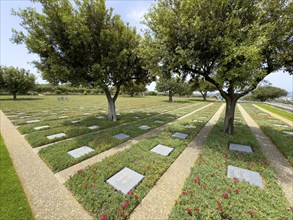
(82,43)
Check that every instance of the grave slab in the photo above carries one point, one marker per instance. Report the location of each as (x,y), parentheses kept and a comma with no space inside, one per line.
(41,127)
(162,150)
(279,125)
(202,117)
(144,127)
(100,117)
(190,126)
(22,117)
(76,121)
(61,117)
(288,132)
(136,117)
(21,113)
(93,127)
(179,135)
(86,113)
(148,114)
(121,136)
(125,180)
(198,121)
(56,136)
(249,176)
(32,121)
(240,148)
(159,121)
(79,152)
(171,117)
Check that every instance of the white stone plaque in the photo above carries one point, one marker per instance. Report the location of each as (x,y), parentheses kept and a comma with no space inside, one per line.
(76,153)
(125,180)
(94,127)
(76,121)
(179,135)
(288,132)
(32,121)
(144,127)
(159,121)
(240,148)
(162,150)
(245,175)
(100,117)
(190,126)
(41,127)
(56,136)
(121,136)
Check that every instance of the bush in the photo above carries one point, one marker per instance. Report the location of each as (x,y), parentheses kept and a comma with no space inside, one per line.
(152,93)
(58,92)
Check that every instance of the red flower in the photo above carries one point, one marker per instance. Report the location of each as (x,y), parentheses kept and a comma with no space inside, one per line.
(183,193)
(124,206)
(188,211)
(136,196)
(190,192)
(235,178)
(229,189)
(104,217)
(204,186)
(291,209)
(236,191)
(225,195)
(219,204)
(225,154)
(126,200)
(283,219)
(130,193)
(122,214)
(93,171)
(220,209)
(197,210)
(79,171)
(85,185)
(250,212)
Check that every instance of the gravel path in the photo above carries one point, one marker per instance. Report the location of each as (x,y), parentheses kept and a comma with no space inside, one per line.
(279,163)
(48,198)
(159,201)
(275,115)
(64,175)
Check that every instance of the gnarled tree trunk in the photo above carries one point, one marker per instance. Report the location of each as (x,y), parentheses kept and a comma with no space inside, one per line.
(14,95)
(204,95)
(111,105)
(229,116)
(170,96)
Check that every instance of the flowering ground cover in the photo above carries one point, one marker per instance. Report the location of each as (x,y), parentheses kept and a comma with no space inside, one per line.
(56,156)
(267,123)
(209,194)
(101,200)
(280,112)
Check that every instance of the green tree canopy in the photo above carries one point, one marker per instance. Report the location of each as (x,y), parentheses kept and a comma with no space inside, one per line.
(203,86)
(233,44)
(172,86)
(132,88)
(264,93)
(16,81)
(82,43)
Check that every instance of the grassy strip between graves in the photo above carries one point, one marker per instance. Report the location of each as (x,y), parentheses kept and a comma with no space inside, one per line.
(285,114)
(209,194)
(101,200)
(57,158)
(267,123)
(14,204)
(73,130)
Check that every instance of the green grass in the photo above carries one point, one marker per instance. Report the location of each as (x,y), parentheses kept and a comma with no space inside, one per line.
(284,142)
(91,190)
(285,114)
(202,196)
(14,204)
(56,156)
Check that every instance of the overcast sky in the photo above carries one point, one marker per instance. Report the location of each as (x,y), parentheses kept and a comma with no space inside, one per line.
(130,11)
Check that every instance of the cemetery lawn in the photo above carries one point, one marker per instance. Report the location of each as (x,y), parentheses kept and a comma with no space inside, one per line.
(283,141)
(101,199)
(285,114)
(208,192)
(14,204)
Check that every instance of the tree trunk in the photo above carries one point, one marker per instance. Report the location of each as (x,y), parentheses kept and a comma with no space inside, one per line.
(14,95)
(170,96)
(111,107)
(229,116)
(204,95)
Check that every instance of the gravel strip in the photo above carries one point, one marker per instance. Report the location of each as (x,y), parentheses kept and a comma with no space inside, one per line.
(48,198)
(159,202)
(279,163)
(64,175)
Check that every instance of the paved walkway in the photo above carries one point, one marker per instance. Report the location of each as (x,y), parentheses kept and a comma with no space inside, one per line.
(279,163)
(48,198)
(275,115)
(64,175)
(159,201)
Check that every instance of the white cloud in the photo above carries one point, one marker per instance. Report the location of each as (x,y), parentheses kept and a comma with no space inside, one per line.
(136,14)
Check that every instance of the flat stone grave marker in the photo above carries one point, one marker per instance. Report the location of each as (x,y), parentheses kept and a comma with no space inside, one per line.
(162,150)
(179,135)
(136,117)
(279,125)
(197,121)
(22,117)
(249,176)
(45,111)
(190,126)
(262,114)
(21,113)
(170,117)
(100,117)
(144,127)
(86,113)
(32,121)
(125,180)
(54,113)
(93,127)
(159,121)
(61,117)
(56,136)
(76,153)
(76,121)
(240,148)
(121,136)
(288,132)
(148,114)
(202,117)
(41,127)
